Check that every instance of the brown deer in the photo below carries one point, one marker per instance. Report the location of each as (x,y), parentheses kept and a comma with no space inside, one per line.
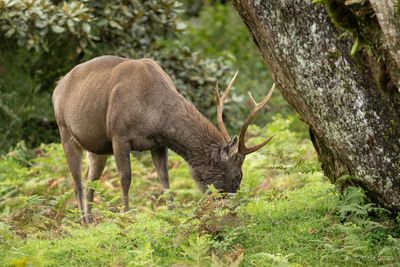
(113,105)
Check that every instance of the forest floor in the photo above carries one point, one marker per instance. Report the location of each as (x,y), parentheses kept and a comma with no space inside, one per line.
(286,214)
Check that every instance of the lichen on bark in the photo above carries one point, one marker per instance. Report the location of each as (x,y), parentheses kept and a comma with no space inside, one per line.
(351,103)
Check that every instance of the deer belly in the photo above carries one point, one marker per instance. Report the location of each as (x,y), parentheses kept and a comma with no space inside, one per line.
(142,143)
(104,148)
(97,144)
(91,136)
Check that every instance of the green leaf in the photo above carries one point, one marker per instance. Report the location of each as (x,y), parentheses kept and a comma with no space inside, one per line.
(355,47)
(86,27)
(40,23)
(57,29)
(70,24)
(10,33)
(180,26)
(115,24)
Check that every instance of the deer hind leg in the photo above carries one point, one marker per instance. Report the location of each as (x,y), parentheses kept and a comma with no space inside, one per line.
(73,153)
(160,159)
(94,171)
(121,152)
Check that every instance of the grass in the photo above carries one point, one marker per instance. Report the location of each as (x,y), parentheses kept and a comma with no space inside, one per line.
(286,214)
(161,237)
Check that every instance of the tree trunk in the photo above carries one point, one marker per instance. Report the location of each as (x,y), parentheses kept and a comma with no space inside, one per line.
(350,102)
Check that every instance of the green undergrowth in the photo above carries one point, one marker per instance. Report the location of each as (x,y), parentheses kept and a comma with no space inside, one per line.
(286,214)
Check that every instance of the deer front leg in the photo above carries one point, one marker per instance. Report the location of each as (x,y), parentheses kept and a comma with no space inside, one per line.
(160,158)
(121,154)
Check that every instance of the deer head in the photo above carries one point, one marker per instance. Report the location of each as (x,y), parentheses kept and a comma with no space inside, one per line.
(229,158)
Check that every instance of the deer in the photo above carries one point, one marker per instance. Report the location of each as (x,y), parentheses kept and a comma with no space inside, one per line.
(114,105)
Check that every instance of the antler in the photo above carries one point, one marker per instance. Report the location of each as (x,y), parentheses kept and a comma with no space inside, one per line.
(256,107)
(220,107)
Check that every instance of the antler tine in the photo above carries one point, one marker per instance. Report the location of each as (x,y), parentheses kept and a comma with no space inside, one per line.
(220,107)
(253,102)
(257,147)
(256,108)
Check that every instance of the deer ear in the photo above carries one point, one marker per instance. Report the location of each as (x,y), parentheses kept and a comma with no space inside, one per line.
(229,149)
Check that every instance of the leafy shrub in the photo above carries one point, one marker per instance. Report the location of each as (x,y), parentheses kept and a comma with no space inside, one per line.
(126,26)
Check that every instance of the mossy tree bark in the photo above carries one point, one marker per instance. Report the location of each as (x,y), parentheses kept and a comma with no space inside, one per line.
(351,103)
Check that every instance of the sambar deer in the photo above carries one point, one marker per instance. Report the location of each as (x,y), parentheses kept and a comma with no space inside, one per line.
(114,105)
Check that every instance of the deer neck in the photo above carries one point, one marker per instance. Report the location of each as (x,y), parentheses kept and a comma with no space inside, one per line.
(193,137)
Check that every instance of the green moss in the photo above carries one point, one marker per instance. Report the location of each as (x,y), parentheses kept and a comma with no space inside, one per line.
(354,19)
(397,5)
(341,16)
(334,54)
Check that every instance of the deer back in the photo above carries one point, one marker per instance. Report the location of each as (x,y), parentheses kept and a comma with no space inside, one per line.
(111,96)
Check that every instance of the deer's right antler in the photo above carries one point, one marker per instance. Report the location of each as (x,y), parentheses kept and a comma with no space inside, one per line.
(256,108)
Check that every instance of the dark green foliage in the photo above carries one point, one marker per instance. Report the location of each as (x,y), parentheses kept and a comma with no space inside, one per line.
(25,110)
(341,16)
(126,26)
(195,76)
